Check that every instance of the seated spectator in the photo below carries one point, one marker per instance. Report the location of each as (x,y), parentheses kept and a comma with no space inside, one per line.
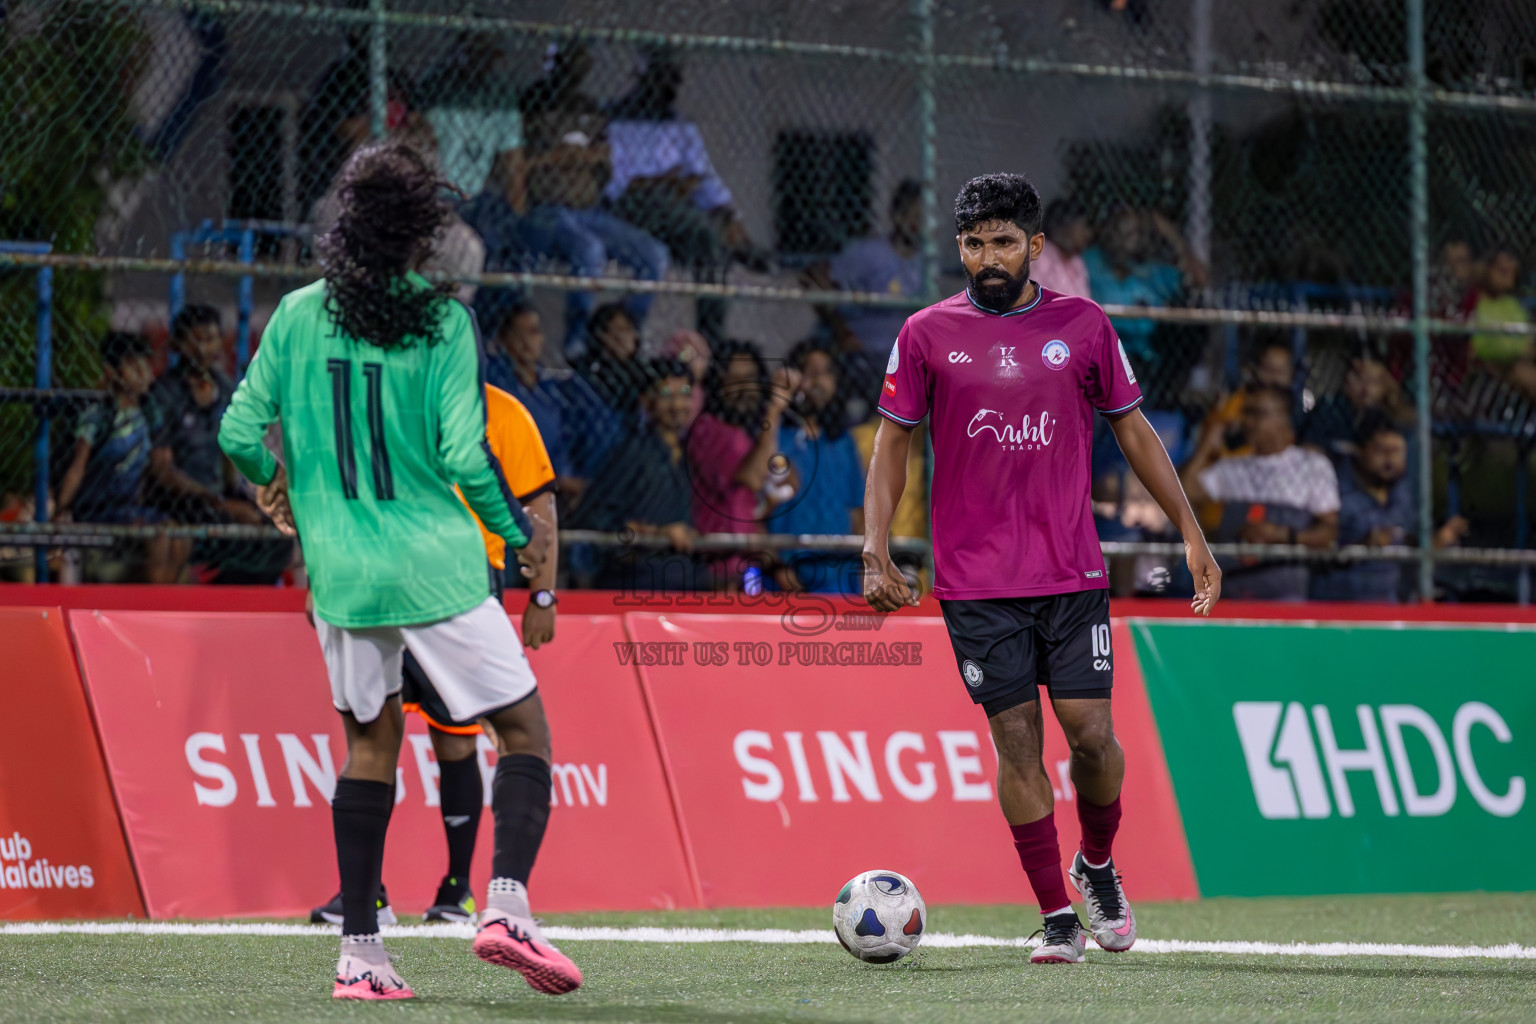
(664,183)
(825,473)
(644,488)
(1281,494)
(1369,391)
(889,265)
(570,168)
(1377,509)
(1274,365)
(1060,266)
(692,350)
(613,365)
(470,101)
(578,429)
(105,481)
(1124,269)
(730,445)
(1501,358)
(193,480)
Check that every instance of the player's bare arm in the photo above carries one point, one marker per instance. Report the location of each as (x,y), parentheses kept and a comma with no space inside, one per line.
(539,623)
(885,588)
(1149,460)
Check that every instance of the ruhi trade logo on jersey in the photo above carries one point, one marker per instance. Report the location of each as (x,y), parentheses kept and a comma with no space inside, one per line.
(19,869)
(1299,768)
(1030,434)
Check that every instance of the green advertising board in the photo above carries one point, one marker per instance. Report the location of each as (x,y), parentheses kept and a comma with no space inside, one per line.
(1313,759)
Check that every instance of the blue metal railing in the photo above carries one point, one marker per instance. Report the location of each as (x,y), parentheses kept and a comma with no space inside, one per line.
(241,234)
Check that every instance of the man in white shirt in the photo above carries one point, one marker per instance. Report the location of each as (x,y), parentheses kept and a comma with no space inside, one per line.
(1281,494)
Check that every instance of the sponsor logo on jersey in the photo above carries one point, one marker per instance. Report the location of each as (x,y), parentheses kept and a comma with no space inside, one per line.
(1281,744)
(972,672)
(1055,354)
(890,386)
(1005,355)
(1030,434)
(1125,361)
(959,357)
(1094,574)
(895,360)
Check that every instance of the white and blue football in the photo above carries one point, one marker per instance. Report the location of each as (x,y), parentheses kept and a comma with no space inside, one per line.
(879,916)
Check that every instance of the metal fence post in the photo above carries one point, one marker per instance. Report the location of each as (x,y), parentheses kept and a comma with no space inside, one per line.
(43,380)
(1418,170)
(927,113)
(378,71)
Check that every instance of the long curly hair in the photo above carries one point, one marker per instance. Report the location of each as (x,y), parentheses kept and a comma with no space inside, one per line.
(391,206)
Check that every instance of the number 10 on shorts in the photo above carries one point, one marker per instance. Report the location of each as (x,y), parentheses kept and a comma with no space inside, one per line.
(1100,635)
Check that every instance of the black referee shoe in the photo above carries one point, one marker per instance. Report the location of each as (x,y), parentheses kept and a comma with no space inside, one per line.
(331,912)
(453,903)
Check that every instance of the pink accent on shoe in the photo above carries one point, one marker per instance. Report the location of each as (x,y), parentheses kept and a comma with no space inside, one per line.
(362,988)
(1123,931)
(1048,959)
(543,967)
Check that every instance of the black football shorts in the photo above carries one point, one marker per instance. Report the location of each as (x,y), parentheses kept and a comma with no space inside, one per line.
(1007,648)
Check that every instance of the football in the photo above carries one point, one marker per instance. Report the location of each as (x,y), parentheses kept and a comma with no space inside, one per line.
(879,916)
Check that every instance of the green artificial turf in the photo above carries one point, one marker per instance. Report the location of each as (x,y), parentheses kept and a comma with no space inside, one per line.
(258,978)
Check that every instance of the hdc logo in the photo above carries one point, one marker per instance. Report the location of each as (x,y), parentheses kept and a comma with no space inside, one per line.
(1281,750)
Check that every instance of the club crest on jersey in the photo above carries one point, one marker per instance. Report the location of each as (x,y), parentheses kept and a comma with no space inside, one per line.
(1055,354)
(895,360)
(972,672)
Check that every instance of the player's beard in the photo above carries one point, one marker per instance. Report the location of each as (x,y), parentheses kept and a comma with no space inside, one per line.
(1000,297)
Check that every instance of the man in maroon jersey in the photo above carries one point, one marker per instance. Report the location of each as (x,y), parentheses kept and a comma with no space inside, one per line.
(1012,375)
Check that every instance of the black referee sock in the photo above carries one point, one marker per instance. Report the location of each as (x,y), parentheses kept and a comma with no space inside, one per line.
(463,795)
(520,806)
(360,813)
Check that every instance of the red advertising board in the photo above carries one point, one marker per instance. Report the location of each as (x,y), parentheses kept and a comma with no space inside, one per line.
(61,845)
(223,745)
(799,761)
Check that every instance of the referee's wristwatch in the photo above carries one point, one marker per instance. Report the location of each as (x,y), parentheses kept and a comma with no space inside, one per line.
(545,598)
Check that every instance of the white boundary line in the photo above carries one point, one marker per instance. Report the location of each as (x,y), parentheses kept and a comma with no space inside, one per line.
(777,936)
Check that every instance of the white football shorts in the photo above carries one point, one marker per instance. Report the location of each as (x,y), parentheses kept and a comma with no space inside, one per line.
(475,662)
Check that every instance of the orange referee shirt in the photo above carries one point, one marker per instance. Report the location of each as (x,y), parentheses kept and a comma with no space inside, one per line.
(515,441)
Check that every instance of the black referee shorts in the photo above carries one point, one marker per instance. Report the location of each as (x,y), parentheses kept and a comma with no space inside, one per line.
(1007,648)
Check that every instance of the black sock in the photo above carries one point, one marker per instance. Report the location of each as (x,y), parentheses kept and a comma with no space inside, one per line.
(520,805)
(463,796)
(360,813)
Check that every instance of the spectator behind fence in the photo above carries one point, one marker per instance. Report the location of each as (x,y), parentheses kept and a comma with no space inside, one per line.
(1281,494)
(577,427)
(826,475)
(1377,508)
(568,149)
(1274,365)
(613,365)
(1123,268)
(105,481)
(644,488)
(194,482)
(1067,234)
(471,103)
(889,265)
(1369,392)
(691,349)
(1501,357)
(729,447)
(664,183)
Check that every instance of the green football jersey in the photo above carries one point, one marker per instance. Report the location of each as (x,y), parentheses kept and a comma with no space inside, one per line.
(374,441)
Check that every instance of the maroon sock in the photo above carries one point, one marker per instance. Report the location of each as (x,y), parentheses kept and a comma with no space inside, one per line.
(1040,855)
(1099,827)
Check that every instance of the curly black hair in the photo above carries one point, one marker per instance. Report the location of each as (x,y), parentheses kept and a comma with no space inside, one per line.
(714,380)
(391,206)
(1009,197)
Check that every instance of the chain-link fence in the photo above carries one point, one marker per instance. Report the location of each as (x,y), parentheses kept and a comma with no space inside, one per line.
(1310,220)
